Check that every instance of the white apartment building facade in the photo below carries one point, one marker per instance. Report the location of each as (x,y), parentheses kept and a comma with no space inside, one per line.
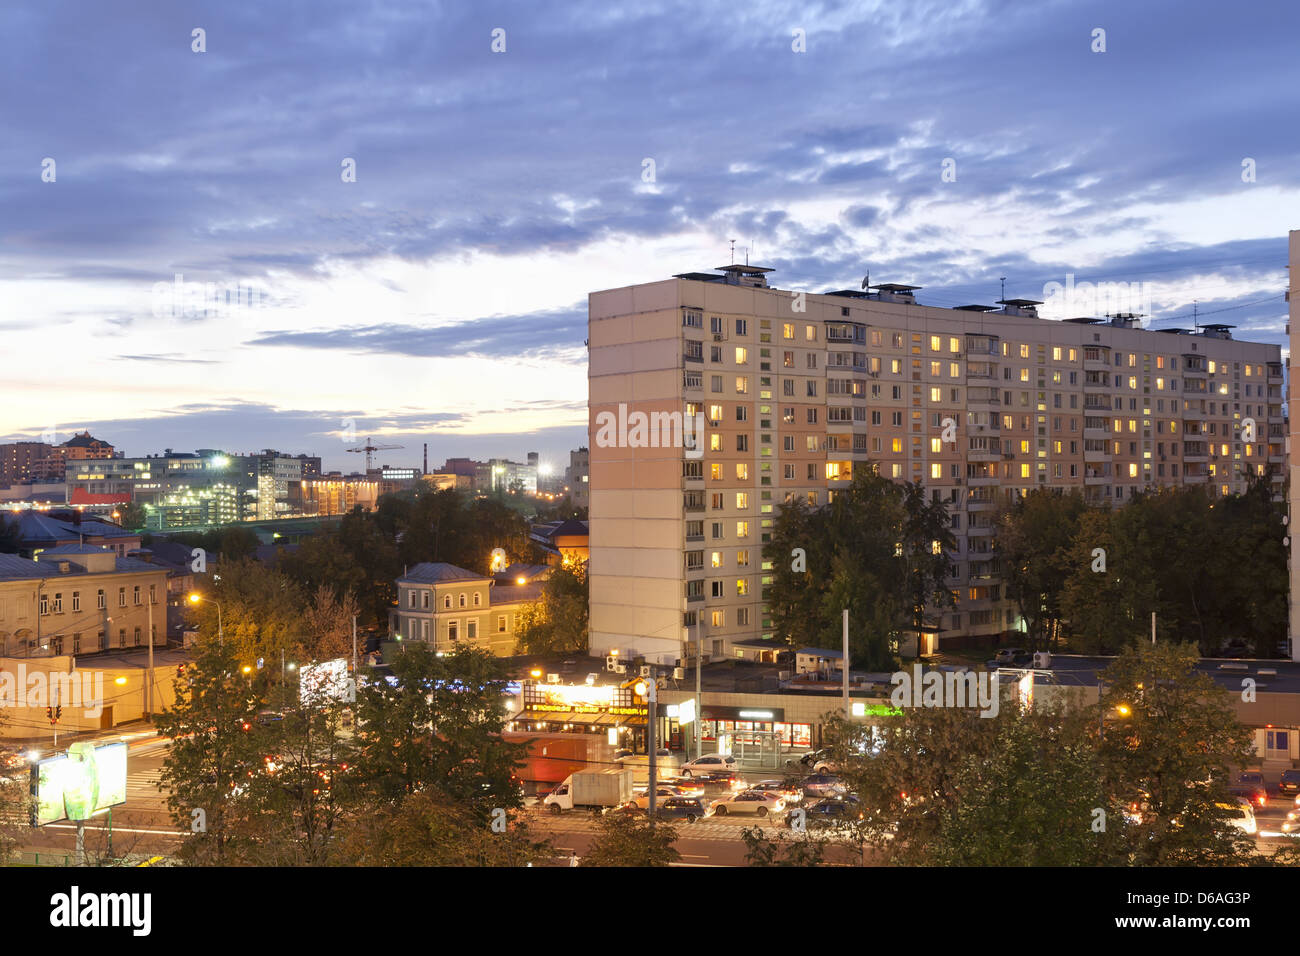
(979,403)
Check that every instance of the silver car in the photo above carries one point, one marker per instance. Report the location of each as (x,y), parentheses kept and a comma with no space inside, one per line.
(756,802)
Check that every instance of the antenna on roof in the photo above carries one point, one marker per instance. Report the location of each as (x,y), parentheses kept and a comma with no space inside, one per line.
(1195,324)
(1003,280)
(733,252)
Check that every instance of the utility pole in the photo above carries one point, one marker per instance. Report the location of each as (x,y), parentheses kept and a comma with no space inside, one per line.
(653,717)
(354,641)
(699,714)
(1153,627)
(847,708)
(148,700)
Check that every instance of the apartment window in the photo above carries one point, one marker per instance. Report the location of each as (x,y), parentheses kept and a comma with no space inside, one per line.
(693,318)
(477,599)
(812,416)
(121,637)
(742,472)
(471,629)
(424,600)
(810,333)
(742,326)
(742,356)
(787,330)
(742,529)
(742,443)
(742,558)
(501,623)
(100,601)
(461,602)
(446,601)
(715,324)
(76,600)
(121,597)
(136,635)
(410,599)
(742,384)
(715,383)
(453,630)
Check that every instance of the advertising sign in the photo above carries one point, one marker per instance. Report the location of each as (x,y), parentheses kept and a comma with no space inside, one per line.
(327,681)
(80,783)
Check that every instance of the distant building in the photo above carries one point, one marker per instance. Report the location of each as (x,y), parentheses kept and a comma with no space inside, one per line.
(39,532)
(497,474)
(335,494)
(446,606)
(34,461)
(563,542)
(575,477)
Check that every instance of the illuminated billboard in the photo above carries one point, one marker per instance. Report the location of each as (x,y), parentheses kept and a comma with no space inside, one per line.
(80,783)
(318,683)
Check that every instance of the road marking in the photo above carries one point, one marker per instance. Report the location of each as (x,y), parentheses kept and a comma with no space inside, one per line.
(73,826)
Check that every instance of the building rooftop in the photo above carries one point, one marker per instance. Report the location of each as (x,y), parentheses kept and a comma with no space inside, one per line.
(436,572)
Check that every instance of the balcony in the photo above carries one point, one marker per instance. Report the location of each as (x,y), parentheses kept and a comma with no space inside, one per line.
(1096,434)
(1197,414)
(1096,454)
(1096,384)
(1197,479)
(982,481)
(983,454)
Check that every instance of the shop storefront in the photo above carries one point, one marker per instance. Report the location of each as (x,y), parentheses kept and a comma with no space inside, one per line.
(613,713)
(753,727)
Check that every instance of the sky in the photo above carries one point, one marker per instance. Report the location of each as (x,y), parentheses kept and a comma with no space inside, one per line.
(342,220)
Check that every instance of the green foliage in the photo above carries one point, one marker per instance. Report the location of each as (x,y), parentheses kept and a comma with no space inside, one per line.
(785,849)
(945,786)
(439,728)
(557,622)
(131,515)
(630,839)
(871,550)
(1155,548)
(260,611)
(1174,753)
(429,829)
(229,543)
(211,753)
(1033,546)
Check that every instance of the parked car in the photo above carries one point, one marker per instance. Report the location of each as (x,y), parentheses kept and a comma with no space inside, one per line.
(789,792)
(748,801)
(689,809)
(709,763)
(1252,778)
(1007,655)
(1290,782)
(823,785)
(1255,793)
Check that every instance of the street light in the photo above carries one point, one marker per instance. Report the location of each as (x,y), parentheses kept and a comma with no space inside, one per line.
(195,598)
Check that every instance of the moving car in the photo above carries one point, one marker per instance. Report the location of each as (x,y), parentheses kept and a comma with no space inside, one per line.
(1255,793)
(689,809)
(790,792)
(1241,815)
(831,813)
(823,785)
(709,763)
(662,792)
(748,801)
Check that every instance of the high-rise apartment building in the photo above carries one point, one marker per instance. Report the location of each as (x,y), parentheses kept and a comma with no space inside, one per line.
(795,391)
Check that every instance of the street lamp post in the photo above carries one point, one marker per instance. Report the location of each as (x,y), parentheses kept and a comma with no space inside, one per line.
(196,598)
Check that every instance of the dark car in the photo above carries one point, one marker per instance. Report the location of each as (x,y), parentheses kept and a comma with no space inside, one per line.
(830,813)
(689,809)
(822,785)
(1290,782)
(1252,778)
(1256,794)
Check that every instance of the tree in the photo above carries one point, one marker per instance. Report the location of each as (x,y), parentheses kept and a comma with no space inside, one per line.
(785,850)
(1033,545)
(631,839)
(10,536)
(132,515)
(327,625)
(556,623)
(1038,799)
(438,725)
(1093,602)
(260,612)
(212,751)
(299,797)
(1173,754)
(878,548)
(429,829)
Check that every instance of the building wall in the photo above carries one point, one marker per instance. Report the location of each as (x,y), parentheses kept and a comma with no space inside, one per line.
(1293,331)
(1025,395)
(426,612)
(23,630)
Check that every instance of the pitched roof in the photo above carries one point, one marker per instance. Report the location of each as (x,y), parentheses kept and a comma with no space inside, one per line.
(35,528)
(75,549)
(436,572)
(569,527)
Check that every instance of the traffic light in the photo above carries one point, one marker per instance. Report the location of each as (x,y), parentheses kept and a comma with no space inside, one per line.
(49,714)
(58,712)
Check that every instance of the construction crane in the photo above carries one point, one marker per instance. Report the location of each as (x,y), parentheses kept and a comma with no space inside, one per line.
(370,448)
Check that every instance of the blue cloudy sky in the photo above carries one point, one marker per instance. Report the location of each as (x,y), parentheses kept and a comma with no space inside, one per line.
(441,296)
